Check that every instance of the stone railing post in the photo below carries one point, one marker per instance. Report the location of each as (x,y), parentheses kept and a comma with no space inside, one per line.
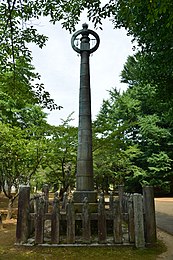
(31,219)
(117,222)
(22,230)
(55,232)
(39,224)
(121,193)
(131,220)
(138,220)
(45,191)
(70,222)
(111,200)
(86,226)
(149,214)
(102,231)
(36,203)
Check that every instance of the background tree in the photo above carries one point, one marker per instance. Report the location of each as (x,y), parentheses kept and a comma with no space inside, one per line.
(22,149)
(114,151)
(60,161)
(138,135)
(150,23)
(155,120)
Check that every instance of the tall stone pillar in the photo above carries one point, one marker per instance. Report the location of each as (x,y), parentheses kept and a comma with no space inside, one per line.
(84,178)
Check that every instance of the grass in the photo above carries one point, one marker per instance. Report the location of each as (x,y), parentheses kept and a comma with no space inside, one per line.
(9,251)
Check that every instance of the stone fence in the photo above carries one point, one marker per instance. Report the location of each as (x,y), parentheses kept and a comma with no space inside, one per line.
(117,219)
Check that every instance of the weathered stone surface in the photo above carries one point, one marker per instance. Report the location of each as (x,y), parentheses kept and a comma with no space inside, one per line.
(138,221)
(22,230)
(70,222)
(45,191)
(79,196)
(102,230)
(39,227)
(86,225)
(55,221)
(131,220)
(117,222)
(150,218)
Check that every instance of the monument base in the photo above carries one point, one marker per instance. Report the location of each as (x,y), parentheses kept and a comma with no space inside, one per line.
(78,196)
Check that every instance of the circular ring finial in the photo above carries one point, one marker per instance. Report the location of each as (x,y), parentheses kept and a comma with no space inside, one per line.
(85,31)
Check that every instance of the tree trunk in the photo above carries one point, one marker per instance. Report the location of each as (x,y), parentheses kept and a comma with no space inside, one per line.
(10,206)
(62,191)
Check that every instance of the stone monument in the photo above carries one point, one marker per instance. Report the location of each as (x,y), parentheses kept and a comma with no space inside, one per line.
(84,177)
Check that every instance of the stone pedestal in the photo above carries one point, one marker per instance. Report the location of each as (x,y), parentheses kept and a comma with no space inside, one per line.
(79,196)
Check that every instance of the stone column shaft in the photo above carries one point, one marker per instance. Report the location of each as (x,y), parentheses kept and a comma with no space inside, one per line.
(84,159)
(84,177)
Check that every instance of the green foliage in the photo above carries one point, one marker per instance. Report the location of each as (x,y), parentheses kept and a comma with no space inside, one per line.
(135,136)
(21,152)
(114,153)
(60,160)
(149,76)
(150,23)
(159,163)
(17,75)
